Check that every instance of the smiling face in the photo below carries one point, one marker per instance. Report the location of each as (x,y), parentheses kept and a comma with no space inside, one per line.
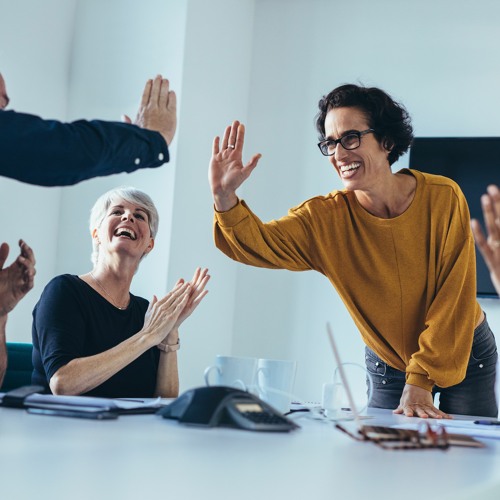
(124,230)
(361,168)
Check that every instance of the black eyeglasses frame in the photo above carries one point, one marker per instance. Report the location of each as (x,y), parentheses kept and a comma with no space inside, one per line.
(341,141)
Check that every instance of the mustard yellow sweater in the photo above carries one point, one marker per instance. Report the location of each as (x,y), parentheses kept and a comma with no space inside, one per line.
(409,282)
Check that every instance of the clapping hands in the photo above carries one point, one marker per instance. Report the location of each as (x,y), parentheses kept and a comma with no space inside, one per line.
(164,316)
(17,279)
(196,294)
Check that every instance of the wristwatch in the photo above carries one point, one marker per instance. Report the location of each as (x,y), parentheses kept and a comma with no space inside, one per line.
(169,347)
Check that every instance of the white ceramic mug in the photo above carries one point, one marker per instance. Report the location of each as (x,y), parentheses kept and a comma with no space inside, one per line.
(275,380)
(232,371)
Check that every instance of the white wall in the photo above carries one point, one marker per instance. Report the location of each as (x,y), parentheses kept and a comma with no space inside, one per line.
(266,62)
(109,67)
(216,85)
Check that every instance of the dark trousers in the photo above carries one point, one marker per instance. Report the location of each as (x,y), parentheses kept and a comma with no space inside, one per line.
(475,395)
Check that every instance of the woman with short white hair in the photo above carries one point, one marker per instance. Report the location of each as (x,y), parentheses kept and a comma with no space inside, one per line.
(90,334)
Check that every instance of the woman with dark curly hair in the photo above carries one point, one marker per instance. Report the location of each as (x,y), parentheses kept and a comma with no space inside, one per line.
(397,247)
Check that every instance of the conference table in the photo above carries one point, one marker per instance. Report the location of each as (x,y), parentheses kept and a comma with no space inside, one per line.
(146,456)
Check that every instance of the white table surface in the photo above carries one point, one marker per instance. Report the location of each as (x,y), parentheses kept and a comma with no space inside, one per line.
(145,456)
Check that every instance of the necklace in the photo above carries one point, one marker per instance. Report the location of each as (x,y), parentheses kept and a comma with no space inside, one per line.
(99,284)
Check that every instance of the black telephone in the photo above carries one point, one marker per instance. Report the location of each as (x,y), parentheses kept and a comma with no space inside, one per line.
(224,406)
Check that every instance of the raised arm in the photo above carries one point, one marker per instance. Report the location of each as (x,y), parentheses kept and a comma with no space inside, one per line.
(52,153)
(227,172)
(489,246)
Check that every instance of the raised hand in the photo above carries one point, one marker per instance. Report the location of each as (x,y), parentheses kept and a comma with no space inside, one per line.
(158,109)
(490,246)
(227,172)
(17,279)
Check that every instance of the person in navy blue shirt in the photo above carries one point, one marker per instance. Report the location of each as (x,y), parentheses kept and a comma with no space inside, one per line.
(52,153)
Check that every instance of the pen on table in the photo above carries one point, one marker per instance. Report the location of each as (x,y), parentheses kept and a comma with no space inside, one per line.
(487,422)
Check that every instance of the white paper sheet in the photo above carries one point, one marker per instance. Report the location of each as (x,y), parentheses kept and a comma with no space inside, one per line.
(87,403)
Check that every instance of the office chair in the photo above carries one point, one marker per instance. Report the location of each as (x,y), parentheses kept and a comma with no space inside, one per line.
(20,366)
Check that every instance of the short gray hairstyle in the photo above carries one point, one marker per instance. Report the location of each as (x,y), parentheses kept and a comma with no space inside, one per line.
(127,193)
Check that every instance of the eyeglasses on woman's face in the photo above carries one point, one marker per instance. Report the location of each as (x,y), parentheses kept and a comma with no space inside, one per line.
(351,140)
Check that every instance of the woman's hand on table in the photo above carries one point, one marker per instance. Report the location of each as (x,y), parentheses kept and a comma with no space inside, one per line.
(418,402)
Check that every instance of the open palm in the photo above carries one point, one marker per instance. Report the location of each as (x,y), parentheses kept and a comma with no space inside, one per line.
(227,171)
(197,292)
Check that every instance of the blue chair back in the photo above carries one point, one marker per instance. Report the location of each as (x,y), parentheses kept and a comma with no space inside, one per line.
(20,366)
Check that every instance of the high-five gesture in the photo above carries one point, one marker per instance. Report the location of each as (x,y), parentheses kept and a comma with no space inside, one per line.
(158,109)
(490,246)
(227,172)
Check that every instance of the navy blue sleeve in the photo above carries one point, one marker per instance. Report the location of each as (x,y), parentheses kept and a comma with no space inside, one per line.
(52,153)
(58,327)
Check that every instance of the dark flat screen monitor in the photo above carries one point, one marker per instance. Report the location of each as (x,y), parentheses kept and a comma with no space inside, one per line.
(473,163)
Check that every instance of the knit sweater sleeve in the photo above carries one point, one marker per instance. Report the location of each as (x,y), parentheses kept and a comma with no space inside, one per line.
(279,244)
(445,344)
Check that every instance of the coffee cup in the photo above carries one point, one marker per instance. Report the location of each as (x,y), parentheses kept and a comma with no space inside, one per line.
(232,371)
